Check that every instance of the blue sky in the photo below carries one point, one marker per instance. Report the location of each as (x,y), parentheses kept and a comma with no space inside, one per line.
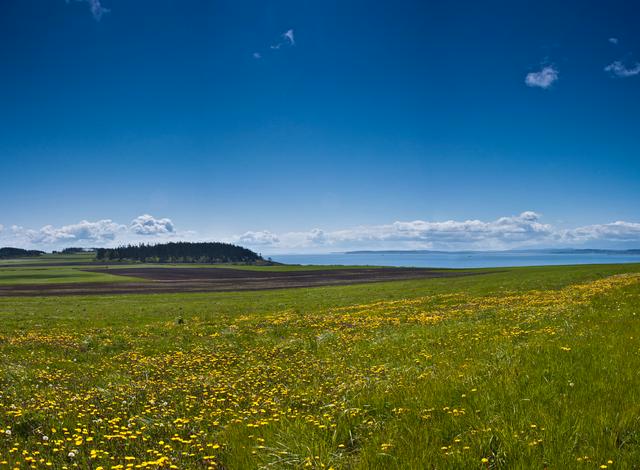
(300,126)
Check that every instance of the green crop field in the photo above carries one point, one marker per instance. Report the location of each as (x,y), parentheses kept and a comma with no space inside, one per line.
(55,275)
(518,368)
(50,258)
(25,274)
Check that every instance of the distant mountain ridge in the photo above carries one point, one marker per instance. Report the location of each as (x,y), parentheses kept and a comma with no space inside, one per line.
(558,251)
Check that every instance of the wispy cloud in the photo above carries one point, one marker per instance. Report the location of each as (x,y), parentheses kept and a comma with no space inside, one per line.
(613,40)
(619,69)
(288,36)
(543,78)
(97,10)
(287,39)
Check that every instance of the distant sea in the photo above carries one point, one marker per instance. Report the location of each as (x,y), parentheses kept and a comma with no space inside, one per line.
(470,259)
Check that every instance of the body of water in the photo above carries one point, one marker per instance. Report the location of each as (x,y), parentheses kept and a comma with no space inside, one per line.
(459,260)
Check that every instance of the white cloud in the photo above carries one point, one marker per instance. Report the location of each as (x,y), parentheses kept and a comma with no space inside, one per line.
(257,55)
(259,238)
(97,10)
(619,231)
(99,232)
(521,231)
(317,236)
(149,225)
(288,36)
(613,40)
(542,79)
(288,39)
(525,230)
(619,69)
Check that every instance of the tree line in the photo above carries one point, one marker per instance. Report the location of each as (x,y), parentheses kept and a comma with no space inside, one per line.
(73,250)
(181,252)
(8,252)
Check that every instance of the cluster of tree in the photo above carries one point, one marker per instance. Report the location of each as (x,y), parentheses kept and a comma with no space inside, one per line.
(9,252)
(75,250)
(181,252)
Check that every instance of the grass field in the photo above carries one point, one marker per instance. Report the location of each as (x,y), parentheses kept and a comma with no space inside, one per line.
(55,275)
(520,368)
(50,258)
(10,274)
(247,267)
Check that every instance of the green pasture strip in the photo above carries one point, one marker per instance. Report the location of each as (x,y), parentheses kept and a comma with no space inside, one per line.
(51,258)
(56,275)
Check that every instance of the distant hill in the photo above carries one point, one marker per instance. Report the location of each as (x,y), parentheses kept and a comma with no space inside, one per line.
(595,251)
(559,251)
(9,252)
(395,252)
(181,252)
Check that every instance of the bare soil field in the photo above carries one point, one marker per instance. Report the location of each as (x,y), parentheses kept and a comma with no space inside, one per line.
(175,280)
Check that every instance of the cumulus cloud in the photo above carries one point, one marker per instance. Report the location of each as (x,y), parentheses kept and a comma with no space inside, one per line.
(149,225)
(259,238)
(619,69)
(87,233)
(317,236)
(525,230)
(522,229)
(619,231)
(98,232)
(543,78)
(613,40)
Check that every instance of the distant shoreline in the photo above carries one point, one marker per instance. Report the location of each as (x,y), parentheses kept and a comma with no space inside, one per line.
(558,251)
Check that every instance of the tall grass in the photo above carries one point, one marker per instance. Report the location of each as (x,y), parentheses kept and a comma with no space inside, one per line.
(523,368)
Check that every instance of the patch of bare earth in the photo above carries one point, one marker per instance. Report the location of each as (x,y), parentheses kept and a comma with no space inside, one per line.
(175,280)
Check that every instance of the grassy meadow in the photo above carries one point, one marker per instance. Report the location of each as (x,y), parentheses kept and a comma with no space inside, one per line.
(55,275)
(50,258)
(517,368)
(21,271)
